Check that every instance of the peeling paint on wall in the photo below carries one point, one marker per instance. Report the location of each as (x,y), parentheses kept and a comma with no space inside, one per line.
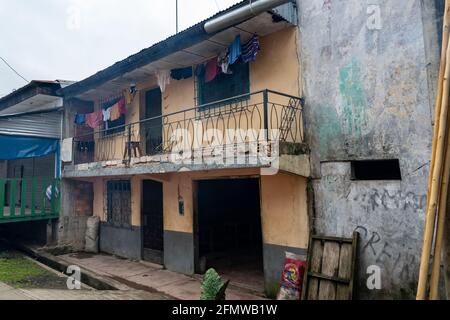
(367,93)
(353,99)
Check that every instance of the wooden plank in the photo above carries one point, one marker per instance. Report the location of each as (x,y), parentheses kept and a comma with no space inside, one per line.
(2,197)
(345,272)
(33,195)
(335,239)
(316,266)
(354,263)
(330,266)
(43,196)
(23,196)
(12,197)
(53,197)
(308,267)
(324,277)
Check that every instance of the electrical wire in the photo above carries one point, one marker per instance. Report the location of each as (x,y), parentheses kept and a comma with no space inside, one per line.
(14,70)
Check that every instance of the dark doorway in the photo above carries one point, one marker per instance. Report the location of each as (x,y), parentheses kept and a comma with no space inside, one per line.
(153,225)
(153,127)
(228,230)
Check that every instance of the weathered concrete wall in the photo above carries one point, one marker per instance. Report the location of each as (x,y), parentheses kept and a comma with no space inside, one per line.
(368,72)
(76,207)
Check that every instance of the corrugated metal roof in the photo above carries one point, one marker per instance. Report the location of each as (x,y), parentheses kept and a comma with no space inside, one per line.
(46,125)
(175,43)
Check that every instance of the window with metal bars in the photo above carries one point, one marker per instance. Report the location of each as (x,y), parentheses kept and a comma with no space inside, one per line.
(224,86)
(118,203)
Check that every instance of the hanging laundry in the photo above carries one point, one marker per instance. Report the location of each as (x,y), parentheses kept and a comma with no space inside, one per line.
(94,119)
(235,50)
(129,95)
(200,70)
(223,62)
(163,78)
(182,73)
(211,70)
(250,49)
(115,113)
(121,103)
(106,114)
(80,119)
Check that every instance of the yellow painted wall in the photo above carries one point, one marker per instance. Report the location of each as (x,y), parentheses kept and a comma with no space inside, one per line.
(183,183)
(284,209)
(284,214)
(277,65)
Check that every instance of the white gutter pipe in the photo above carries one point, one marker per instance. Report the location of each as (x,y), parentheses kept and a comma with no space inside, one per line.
(254,8)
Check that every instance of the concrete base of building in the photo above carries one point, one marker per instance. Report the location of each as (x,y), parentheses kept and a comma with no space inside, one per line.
(123,242)
(179,251)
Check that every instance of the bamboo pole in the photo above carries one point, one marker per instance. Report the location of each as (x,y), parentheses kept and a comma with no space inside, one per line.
(445,38)
(442,209)
(434,188)
(437,107)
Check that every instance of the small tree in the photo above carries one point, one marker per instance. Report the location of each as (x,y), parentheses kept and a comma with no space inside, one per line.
(213,287)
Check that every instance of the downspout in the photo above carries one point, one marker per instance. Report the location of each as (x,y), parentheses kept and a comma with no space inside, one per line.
(254,8)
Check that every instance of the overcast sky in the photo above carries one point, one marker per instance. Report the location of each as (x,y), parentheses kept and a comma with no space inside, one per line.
(72,39)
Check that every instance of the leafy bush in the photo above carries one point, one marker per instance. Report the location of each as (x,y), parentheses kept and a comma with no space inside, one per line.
(213,287)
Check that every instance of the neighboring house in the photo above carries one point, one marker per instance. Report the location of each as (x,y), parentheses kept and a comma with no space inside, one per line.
(369,72)
(240,216)
(30,131)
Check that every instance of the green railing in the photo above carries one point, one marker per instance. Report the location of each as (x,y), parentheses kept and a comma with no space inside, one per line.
(29,199)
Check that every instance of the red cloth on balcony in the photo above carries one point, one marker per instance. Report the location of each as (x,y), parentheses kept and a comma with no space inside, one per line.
(94,119)
(212,70)
(122,108)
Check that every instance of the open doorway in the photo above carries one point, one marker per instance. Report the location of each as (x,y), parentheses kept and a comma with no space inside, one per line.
(152,221)
(228,230)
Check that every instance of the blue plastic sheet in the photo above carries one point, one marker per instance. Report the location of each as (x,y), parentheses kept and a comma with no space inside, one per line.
(16,147)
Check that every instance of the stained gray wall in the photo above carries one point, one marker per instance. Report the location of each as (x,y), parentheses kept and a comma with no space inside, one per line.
(369,71)
(123,242)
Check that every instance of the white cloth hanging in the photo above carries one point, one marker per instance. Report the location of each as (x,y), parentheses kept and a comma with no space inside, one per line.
(107,114)
(223,62)
(163,78)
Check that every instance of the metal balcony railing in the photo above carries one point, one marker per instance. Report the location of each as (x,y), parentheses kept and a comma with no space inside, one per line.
(28,199)
(254,115)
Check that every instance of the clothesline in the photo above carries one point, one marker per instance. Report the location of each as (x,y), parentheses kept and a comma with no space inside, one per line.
(113,107)
(218,64)
(107,113)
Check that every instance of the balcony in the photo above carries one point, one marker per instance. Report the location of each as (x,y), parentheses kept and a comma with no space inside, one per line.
(29,199)
(261,120)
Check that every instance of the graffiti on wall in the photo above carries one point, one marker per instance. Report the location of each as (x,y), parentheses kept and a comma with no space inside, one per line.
(391,200)
(398,264)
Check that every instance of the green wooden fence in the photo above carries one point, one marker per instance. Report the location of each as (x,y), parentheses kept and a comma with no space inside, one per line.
(29,199)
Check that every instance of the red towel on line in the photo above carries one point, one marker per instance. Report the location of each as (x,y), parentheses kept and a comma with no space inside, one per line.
(211,70)
(94,119)
(122,109)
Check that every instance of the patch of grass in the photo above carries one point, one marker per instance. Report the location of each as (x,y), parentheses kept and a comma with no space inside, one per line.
(19,272)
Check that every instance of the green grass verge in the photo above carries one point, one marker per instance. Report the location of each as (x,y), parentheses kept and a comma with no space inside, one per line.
(19,272)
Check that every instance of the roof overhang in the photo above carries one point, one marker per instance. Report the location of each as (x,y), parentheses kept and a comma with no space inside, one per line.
(38,95)
(36,103)
(190,47)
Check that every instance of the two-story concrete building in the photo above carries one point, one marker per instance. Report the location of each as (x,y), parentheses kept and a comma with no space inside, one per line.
(154,158)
